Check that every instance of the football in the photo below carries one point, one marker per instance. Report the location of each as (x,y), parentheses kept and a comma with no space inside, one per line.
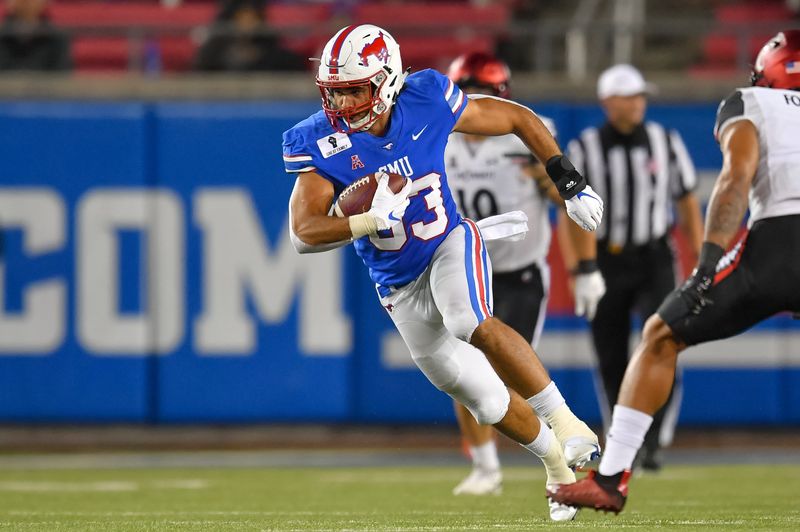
(357,198)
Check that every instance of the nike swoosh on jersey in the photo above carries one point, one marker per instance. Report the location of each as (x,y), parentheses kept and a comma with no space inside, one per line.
(417,135)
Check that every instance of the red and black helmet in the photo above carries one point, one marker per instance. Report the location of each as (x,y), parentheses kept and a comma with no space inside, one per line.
(778,62)
(481,70)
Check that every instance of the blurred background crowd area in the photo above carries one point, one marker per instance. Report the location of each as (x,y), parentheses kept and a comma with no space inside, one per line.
(571,40)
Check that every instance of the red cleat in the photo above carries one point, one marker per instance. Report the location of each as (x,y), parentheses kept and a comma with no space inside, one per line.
(595,491)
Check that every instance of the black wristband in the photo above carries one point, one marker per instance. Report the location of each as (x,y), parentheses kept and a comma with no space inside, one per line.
(710,254)
(568,181)
(586,266)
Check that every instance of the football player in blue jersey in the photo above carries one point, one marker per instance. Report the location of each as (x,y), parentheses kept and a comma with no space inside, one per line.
(429,264)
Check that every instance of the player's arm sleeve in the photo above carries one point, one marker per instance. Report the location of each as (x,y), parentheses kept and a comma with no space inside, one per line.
(731,110)
(683,176)
(297,156)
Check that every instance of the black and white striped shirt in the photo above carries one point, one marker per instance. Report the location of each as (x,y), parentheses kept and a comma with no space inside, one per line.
(638,176)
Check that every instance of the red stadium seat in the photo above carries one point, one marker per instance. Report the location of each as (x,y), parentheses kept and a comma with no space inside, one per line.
(100,54)
(289,15)
(748,13)
(393,16)
(475,28)
(103,53)
(121,14)
(310,25)
(437,52)
(296,16)
(721,49)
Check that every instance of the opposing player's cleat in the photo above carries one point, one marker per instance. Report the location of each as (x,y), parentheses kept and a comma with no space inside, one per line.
(481,482)
(579,450)
(558,511)
(595,491)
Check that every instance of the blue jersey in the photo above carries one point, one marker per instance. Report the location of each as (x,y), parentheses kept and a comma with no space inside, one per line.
(422,118)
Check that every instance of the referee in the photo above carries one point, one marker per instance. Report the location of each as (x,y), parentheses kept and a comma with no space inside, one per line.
(644,173)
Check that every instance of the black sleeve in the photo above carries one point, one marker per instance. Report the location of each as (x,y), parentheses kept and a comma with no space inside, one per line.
(731,107)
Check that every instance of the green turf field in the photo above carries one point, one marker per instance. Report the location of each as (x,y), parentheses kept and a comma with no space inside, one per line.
(414,498)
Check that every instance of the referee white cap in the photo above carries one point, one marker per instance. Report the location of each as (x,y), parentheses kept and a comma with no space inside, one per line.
(622,80)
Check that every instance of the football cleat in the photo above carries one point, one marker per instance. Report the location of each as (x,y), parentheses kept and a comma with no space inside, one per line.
(579,450)
(579,443)
(481,482)
(558,511)
(595,491)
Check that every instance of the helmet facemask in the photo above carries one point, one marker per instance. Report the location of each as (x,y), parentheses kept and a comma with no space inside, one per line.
(344,119)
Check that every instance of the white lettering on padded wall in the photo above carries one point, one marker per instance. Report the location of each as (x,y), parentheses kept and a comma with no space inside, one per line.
(237,262)
(102,329)
(39,328)
(238,266)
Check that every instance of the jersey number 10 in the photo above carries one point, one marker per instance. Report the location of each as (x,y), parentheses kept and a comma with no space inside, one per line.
(482,206)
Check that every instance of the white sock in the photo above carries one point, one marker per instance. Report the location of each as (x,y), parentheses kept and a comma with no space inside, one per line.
(485,456)
(541,444)
(625,437)
(547,401)
(547,448)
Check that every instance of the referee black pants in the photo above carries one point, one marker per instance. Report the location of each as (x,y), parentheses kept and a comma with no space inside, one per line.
(637,280)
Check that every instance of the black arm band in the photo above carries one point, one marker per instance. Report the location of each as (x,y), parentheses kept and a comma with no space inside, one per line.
(710,254)
(586,266)
(567,180)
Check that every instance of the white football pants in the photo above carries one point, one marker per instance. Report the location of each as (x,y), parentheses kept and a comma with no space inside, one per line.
(436,315)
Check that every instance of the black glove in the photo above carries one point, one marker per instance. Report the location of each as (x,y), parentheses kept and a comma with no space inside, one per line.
(693,291)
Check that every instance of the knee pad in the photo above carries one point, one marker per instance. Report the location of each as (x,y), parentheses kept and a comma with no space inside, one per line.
(490,410)
(478,387)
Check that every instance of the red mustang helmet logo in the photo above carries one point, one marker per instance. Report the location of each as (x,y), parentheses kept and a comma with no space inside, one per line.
(376,48)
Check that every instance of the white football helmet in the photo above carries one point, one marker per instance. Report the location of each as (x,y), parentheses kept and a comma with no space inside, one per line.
(360,55)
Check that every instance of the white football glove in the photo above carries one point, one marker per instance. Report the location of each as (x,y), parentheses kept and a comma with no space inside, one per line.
(387,207)
(586,209)
(589,289)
